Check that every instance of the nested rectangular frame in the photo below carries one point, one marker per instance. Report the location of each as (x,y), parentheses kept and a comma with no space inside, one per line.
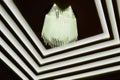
(24,66)
(105,34)
(16,70)
(106,61)
(44,51)
(76,60)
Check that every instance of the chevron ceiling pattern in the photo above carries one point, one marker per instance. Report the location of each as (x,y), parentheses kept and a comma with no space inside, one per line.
(24,52)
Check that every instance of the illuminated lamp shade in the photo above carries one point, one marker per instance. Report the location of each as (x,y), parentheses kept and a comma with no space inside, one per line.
(60,27)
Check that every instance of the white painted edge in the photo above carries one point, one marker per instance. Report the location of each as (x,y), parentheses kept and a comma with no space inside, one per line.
(19,33)
(81,67)
(16,58)
(18,46)
(118,4)
(12,66)
(92,73)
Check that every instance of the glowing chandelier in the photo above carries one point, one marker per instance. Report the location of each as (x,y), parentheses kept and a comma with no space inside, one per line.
(60,27)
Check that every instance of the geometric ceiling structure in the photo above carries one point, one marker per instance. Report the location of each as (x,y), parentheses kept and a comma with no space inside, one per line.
(99,54)
(45,52)
(39,58)
(57,57)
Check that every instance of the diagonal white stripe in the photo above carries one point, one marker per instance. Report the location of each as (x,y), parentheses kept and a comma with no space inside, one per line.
(19,33)
(80,59)
(12,66)
(92,73)
(16,57)
(19,16)
(81,67)
(13,40)
(112,16)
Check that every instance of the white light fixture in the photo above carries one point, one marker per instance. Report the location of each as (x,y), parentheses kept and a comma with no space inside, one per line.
(60,27)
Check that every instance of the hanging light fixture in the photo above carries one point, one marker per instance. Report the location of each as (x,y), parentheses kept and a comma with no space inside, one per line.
(60,27)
